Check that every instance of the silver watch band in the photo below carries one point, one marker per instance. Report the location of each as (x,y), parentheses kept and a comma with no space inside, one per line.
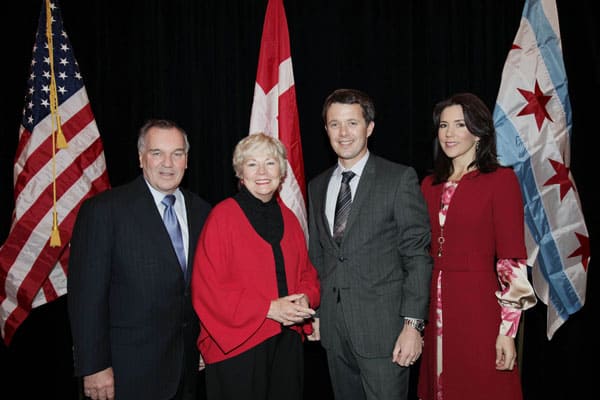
(416,323)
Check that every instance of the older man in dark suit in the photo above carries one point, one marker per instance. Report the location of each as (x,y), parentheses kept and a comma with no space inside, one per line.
(369,244)
(134,328)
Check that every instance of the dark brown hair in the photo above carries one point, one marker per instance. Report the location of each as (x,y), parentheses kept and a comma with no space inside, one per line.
(350,96)
(480,123)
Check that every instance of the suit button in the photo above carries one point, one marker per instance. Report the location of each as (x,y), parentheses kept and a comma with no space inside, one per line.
(342,259)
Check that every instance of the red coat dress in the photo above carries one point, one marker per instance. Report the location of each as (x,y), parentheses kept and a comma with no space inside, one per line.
(234,280)
(484,223)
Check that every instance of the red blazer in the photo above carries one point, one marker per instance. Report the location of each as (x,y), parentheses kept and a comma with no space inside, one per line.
(234,280)
(484,222)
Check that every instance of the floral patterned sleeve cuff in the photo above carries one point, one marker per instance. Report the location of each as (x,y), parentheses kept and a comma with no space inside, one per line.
(516,293)
(510,322)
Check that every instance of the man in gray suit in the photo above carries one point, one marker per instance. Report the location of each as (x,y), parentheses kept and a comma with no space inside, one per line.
(133,325)
(375,272)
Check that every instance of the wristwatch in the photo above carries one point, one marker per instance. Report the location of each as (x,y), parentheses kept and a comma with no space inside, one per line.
(416,323)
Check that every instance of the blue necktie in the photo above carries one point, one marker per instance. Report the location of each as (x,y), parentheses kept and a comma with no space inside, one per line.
(170,219)
(342,207)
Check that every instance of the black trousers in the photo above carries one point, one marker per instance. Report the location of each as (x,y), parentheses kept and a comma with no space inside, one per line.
(273,370)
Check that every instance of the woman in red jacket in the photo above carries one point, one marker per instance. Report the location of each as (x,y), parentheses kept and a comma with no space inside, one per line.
(253,285)
(479,285)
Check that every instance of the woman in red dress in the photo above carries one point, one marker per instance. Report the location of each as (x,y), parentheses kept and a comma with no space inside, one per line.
(479,285)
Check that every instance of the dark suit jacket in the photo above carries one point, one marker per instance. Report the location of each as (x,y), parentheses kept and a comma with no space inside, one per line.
(382,268)
(129,302)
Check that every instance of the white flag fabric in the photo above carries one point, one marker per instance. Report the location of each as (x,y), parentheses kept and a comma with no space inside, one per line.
(274,109)
(59,163)
(532,116)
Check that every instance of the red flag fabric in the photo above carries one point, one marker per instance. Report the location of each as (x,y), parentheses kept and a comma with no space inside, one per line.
(274,109)
(59,162)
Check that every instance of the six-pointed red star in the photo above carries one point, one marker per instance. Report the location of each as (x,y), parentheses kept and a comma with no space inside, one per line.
(560,178)
(536,104)
(583,250)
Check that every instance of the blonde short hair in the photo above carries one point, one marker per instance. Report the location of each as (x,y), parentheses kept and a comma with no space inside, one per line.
(258,143)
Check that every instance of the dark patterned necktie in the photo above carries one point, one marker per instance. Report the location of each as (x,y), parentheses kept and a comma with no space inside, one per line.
(172,225)
(342,207)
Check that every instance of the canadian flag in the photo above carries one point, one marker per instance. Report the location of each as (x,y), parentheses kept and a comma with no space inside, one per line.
(274,109)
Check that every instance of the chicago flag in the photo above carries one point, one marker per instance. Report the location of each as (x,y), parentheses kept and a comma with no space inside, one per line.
(533,123)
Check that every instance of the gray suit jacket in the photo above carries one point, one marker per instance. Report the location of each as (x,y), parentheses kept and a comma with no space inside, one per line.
(129,302)
(382,268)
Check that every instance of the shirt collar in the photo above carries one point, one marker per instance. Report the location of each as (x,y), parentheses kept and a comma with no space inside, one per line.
(356,168)
(159,196)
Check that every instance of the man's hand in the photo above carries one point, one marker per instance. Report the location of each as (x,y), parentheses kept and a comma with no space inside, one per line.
(100,386)
(408,347)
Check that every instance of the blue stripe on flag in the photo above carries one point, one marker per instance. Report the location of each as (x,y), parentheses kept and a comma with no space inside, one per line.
(548,45)
(509,143)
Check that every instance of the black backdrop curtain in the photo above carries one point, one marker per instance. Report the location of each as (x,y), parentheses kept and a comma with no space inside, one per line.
(194,61)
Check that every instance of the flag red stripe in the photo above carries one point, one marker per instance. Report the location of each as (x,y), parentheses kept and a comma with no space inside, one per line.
(43,153)
(24,138)
(49,290)
(43,265)
(13,321)
(19,314)
(24,227)
(40,270)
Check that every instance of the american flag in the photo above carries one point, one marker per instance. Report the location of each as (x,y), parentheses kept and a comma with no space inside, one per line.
(274,109)
(59,162)
(533,121)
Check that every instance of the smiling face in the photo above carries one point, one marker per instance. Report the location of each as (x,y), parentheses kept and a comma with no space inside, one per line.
(261,175)
(456,141)
(163,158)
(348,132)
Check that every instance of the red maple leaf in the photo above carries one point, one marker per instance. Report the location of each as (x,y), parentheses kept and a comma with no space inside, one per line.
(583,250)
(560,178)
(536,104)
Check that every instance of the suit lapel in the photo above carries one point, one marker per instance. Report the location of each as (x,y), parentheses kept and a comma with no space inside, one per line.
(193,223)
(321,191)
